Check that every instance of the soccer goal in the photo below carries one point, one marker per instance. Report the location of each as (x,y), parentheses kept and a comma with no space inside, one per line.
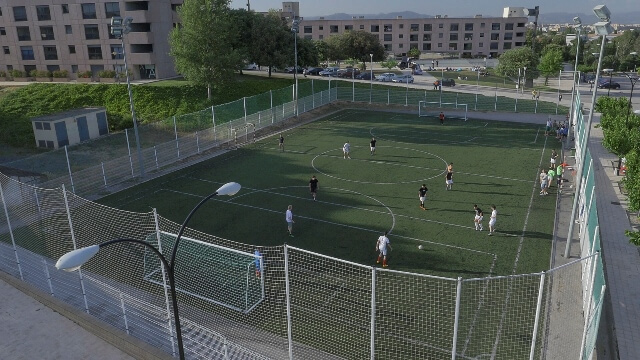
(220,275)
(244,131)
(425,106)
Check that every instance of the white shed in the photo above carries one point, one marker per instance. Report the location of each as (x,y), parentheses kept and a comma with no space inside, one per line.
(70,127)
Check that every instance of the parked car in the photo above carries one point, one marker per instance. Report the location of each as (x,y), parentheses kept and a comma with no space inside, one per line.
(402,65)
(403,79)
(608,84)
(589,78)
(365,76)
(445,82)
(252,66)
(348,73)
(386,77)
(330,71)
(289,70)
(313,70)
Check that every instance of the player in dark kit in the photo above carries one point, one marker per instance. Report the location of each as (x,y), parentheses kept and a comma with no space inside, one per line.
(281,142)
(422,194)
(313,187)
(373,146)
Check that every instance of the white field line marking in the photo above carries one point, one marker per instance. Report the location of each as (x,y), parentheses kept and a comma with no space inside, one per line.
(485,124)
(515,265)
(536,139)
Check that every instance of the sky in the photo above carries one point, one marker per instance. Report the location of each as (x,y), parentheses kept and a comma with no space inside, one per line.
(440,7)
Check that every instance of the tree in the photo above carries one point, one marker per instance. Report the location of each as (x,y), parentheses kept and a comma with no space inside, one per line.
(357,45)
(414,53)
(389,63)
(271,41)
(307,53)
(550,62)
(201,45)
(515,59)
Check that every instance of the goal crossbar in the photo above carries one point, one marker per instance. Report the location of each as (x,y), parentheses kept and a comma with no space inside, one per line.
(423,107)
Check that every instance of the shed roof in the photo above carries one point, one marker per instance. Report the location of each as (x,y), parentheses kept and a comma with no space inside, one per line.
(67,114)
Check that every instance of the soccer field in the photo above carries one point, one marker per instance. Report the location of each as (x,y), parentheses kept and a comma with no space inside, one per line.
(360,198)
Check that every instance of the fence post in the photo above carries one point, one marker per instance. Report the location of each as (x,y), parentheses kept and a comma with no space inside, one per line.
(287,291)
(35,193)
(48,275)
(126,134)
(587,315)
(456,319)
(13,240)
(213,116)
(373,313)
(273,111)
(198,142)
(155,154)
(313,96)
(244,105)
(515,109)
(66,153)
(537,320)
(164,282)
(75,246)
(104,175)
(124,313)
(175,130)
(457,100)
(536,110)
(495,102)
(388,96)
(558,102)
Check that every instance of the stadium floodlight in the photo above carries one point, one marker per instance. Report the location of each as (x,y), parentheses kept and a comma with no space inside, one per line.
(577,20)
(295,28)
(603,28)
(73,260)
(602,12)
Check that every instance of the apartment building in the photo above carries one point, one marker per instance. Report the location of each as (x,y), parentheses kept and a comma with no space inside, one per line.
(467,37)
(75,35)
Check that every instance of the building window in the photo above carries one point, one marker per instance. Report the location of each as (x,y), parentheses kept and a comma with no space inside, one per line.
(3,31)
(453,37)
(439,45)
(72,49)
(387,47)
(95,52)
(27,53)
(413,37)
(519,43)
(481,45)
(401,36)
(89,11)
(482,25)
(65,8)
(453,27)
(493,46)
(140,27)
(23,33)
(136,5)
(520,24)
(320,27)
(415,27)
(0,11)
(74,69)
(308,29)
(506,46)
(68,29)
(111,9)
(468,27)
(6,50)
(116,52)
(508,36)
(481,34)
(50,53)
(388,28)
(375,28)
(141,48)
(46,32)
(43,12)
(426,46)
(333,29)
(508,26)
(91,32)
(468,36)
(19,13)
(495,36)
(426,37)
(348,28)
(321,37)
(519,34)
(453,46)
(468,46)
(401,26)
(400,46)
(440,26)
(388,37)
(440,36)
(361,27)
(495,26)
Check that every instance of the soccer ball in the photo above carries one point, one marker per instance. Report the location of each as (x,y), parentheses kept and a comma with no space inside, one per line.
(420,247)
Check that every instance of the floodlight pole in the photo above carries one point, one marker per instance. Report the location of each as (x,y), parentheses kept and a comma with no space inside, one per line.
(583,155)
(227,189)
(294,30)
(371,80)
(573,90)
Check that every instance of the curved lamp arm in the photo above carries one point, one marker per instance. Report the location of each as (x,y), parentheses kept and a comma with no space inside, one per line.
(73,260)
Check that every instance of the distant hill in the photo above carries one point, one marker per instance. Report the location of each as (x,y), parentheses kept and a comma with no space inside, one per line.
(632,17)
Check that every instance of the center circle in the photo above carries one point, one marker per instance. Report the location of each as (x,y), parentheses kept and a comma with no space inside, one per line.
(384,161)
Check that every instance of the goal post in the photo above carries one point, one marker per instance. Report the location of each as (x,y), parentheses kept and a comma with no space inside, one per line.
(425,106)
(244,131)
(213,273)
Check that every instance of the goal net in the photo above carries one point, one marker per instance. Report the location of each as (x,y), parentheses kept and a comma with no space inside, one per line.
(430,108)
(220,275)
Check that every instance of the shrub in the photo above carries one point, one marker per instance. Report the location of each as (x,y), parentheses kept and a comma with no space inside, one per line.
(3,74)
(41,73)
(17,74)
(61,74)
(107,74)
(85,74)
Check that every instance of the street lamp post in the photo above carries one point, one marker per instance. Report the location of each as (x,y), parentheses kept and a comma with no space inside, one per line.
(632,80)
(294,29)
(73,260)
(371,79)
(119,28)
(610,71)
(524,79)
(602,28)
(578,23)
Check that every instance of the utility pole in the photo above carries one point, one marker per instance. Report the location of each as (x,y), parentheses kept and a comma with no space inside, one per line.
(248,6)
